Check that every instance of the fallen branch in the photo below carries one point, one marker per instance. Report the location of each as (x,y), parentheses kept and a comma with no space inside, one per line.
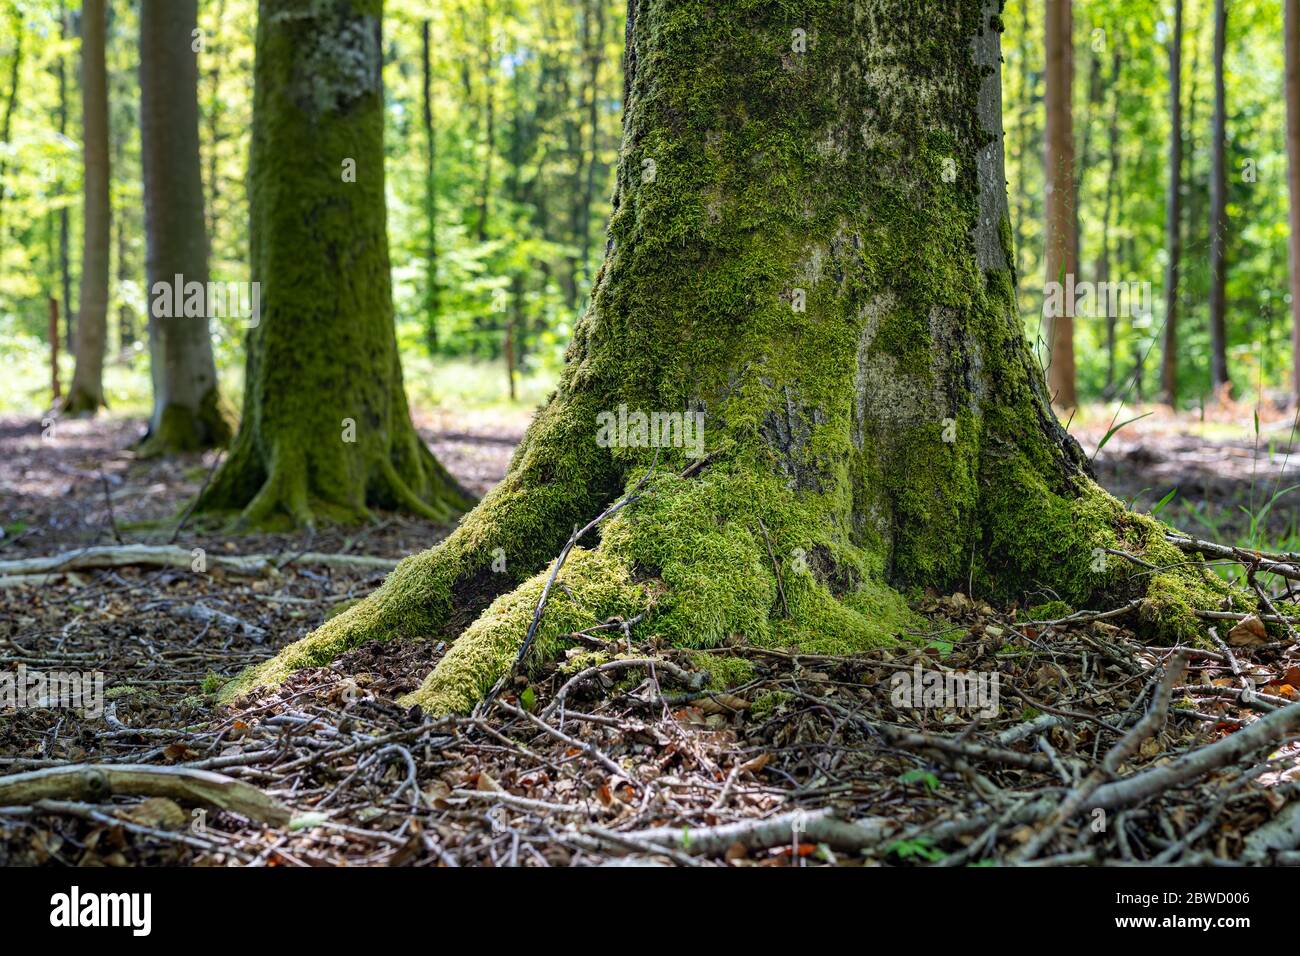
(31,570)
(96,782)
(1262,733)
(821,826)
(1128,745)
(1281,565)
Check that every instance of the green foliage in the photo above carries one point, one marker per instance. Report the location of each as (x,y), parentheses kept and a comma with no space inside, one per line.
(1137,32)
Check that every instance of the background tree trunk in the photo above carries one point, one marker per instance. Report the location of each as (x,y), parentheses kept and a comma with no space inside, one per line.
(431,291)
(1112,187)
(65,270)
(1173,212)
(1292,31)
(1219,213)
(15,20)
(1061,252)
(325,430)
(86,393)
(847,336)
(187,413)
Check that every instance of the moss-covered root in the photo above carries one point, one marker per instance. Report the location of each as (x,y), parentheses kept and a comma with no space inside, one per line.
(731,554)
(1087,549)
(558,478)
(597,588)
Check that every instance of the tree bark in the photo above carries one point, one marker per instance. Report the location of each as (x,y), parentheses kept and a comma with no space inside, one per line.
(1219,380)
(432,294)
(1061,253)
(187,411)
(1292,42)
(86,393)
(790,263)
(65,271)
(326,432)
(1173,213)
(1112,187)
(11,99)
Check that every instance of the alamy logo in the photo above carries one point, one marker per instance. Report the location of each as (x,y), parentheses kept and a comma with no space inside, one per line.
(214,300)
(1091,300)
(636,429)
(74,690)
(75,909)
(972,691)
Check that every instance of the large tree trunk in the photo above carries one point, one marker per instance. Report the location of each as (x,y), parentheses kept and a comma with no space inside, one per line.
(1218,214)
(1061,253)
(1292,30)
(790,259)
(86,394)
(326,431)
(187,413)
(1173,212)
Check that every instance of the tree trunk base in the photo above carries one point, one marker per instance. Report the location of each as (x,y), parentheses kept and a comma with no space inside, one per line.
(182,430)
(731,554)
(82,403)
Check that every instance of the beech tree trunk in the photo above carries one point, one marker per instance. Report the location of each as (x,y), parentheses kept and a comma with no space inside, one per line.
(86,393)
(187,413)
(809,277)
(1173,212)
(326,432)
(1219,213)
(1061,253)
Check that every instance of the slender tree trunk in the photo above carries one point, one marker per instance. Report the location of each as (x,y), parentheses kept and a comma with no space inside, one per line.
(125,315)
(594,48)
(1173,213)
(65,269)
(11,100)
(187,413)
(489,130)
(432,294)
(1292,30)
(326,433)
(1112,186)
(864,409)
(1023,127)
(213,118)
(1219,215)
(1061,253)
(86,393)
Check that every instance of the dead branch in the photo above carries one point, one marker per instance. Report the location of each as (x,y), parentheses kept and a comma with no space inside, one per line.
(96,782)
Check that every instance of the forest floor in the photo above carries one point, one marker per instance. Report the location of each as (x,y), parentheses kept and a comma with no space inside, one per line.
(807,763)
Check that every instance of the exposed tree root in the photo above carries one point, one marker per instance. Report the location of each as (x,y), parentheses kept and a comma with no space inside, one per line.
(731,553)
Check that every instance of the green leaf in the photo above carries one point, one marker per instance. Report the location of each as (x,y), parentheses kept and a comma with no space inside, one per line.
(1114,428)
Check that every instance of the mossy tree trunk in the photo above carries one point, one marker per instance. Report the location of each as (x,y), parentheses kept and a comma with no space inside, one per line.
(326,432)
(810,250)
(86,393)
(187,413)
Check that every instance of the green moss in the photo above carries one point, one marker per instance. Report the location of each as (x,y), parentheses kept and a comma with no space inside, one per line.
(1048,611)
(596,588)
(725,671)
(768,703)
